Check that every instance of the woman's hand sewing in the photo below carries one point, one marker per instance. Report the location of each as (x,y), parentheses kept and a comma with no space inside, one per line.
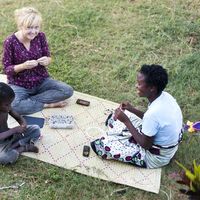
(121,116)
(126,106)
(29,64)
(44,61)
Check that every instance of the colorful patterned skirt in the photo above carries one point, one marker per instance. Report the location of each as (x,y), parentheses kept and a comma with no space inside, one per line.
(119,149)
(118,143)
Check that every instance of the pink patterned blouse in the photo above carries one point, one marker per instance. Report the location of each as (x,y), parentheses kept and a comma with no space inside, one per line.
(14,53)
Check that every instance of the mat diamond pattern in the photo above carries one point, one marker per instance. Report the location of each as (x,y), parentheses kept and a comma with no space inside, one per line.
(63,147)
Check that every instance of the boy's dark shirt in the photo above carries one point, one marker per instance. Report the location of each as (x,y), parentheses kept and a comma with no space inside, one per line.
(3,121)
(4,124)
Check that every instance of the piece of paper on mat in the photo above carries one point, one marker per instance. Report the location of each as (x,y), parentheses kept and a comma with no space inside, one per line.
(63,147)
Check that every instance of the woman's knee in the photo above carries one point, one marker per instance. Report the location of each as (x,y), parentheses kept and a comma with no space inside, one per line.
(67,91)
(22,108)
(16,105)
(70,91)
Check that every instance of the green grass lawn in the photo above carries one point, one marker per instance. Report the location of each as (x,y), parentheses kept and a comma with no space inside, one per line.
(97,46)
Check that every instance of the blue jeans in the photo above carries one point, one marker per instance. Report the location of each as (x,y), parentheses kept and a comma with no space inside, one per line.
(31,134)
(9,155)
(28,101)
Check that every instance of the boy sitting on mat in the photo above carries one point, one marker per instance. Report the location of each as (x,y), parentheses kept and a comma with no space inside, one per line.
(14,141)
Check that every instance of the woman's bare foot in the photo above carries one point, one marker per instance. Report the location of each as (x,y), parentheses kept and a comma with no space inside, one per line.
(59,104)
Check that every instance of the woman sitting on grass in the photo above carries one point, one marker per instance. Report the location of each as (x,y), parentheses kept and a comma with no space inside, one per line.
(25,58)
(147,139)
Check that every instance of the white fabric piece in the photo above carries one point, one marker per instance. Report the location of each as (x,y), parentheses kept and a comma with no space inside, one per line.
(61,121)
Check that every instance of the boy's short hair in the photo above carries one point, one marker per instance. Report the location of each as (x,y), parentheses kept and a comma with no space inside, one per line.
(27,16)
(155,75)
(6,92)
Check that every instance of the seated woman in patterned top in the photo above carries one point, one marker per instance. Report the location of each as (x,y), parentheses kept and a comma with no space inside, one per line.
(26,56)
